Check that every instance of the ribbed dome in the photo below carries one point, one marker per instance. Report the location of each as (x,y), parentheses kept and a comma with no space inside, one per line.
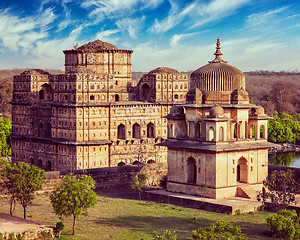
(218,75)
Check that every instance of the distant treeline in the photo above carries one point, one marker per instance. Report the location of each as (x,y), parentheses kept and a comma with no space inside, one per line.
(275,91)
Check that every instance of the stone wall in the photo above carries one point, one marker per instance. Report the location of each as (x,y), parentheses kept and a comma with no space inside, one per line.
(114,176)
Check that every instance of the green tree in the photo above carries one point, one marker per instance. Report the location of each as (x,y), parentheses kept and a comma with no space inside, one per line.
(21,181)
(285,224)
(73,196)
(281,188)
(138,182)
(5,131)
(283,128)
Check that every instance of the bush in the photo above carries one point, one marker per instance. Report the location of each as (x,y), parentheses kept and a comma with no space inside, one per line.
(285,224)
(167,235)
(219,230)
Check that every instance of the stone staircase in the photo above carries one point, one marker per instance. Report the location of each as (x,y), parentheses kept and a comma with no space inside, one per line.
(247,191)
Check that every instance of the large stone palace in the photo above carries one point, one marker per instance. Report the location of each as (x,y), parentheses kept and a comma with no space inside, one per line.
(217,139)
(93,115)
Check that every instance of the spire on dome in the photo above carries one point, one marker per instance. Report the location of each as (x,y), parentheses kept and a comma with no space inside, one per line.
(218,54)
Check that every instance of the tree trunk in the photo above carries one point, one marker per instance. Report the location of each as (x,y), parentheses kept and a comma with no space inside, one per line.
(12,206)
(24,207)
(74,222)
(140,196)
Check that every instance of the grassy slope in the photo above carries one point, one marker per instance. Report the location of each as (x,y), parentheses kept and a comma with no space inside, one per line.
(117,218)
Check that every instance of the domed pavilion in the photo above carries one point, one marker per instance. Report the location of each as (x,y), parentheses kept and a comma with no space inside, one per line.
(217,138)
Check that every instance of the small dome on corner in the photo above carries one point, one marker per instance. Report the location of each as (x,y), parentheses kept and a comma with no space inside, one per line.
(216,112)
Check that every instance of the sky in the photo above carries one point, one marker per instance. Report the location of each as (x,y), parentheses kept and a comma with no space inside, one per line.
(181,34)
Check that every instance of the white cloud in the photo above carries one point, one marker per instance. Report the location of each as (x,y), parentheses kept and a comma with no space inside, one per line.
(177,37)
(21,33)
(106,35)
(263,18)
(132,26)
(197,13)
(174,18)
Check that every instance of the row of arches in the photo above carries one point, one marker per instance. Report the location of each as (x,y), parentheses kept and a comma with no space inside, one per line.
(241,170)
(136,131)
(39,163)
(136,163)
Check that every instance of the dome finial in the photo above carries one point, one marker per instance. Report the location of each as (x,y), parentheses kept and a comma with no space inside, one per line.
(218,54)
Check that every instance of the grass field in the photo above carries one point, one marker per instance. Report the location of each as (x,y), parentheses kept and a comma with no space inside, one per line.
(124,218)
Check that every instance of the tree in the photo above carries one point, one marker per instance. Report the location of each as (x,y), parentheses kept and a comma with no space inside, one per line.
(138,182)
(283,128)
(21,181)
(281,188)
(5,131)
(73,196)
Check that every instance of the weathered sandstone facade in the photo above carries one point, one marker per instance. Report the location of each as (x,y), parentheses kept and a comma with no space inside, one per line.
(89,117)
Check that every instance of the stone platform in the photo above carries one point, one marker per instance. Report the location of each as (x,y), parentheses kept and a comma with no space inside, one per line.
(233,205)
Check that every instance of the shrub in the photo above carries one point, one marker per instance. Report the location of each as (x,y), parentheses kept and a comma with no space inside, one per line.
(167,235)
(284,224)
(219,230)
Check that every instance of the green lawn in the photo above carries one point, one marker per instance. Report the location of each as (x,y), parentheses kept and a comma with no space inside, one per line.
(117,218)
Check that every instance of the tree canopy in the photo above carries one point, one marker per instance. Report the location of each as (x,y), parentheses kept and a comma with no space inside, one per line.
(20,182)
(284,128)
(5,131)
(73,196)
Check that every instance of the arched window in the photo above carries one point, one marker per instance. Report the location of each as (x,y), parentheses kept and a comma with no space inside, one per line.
(121,164)
(262,131)
(221,134)
(117,98)
(235,130)
(252,131)
(150,161)
(32,160)
(40,130)
(42,94)
(171,131)
(211,134)
(92,97)
(191,170)
(121,131)
(48,130)
(136,131)
(150,130)
(40,163)
(198,130)
(136,163)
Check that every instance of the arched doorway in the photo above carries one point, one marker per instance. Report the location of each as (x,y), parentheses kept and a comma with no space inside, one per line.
(150,161)
(117,98)
(40,163)
(242,170)
(191,170)
(121,164)
(48,166)
(145,92)
(211,134)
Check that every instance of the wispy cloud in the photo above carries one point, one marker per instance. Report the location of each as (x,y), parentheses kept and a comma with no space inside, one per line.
(263,18)
(106,35)
(131,25)
(177,37)
(176,16)
(100,9)
(21,33)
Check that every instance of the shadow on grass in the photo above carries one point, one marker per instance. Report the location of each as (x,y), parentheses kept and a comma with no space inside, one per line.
(259,229)
(149,224)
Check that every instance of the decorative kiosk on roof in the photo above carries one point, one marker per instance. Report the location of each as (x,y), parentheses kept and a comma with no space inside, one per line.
(217,138)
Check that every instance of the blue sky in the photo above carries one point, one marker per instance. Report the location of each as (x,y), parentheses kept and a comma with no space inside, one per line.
(181,34)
